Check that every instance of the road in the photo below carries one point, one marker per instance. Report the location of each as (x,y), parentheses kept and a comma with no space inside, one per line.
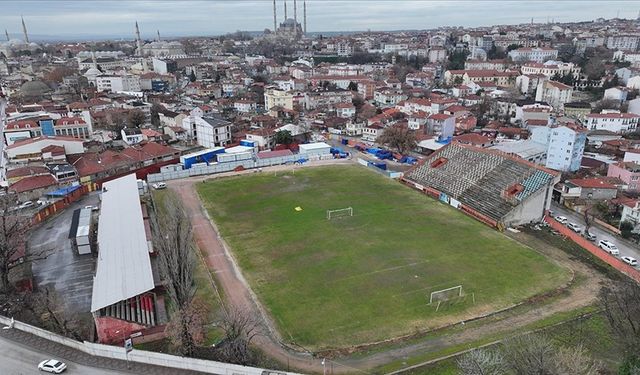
(626,248)
(21,360)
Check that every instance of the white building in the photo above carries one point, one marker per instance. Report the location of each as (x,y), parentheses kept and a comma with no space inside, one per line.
(624,42)
(345,110)
(132,136)
(614,122)
(244,105)
(551,68)
(619,94)
(537,54)
(31,148)
(554,93)
(118,83)
(208,131)
(278,98)
(564,146)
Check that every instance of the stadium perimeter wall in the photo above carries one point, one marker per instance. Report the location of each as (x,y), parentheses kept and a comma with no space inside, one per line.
(141,356)
(593,249)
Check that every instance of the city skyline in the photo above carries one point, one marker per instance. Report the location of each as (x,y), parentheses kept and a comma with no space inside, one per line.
(115,19)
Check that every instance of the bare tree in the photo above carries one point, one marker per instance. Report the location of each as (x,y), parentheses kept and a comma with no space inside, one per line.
(621,305)
(187,327)
(13,232)
(575,360)
(399,138)
(136,118)
(173,241)
(240,328)
(530,355)
(482,362)
(589,218)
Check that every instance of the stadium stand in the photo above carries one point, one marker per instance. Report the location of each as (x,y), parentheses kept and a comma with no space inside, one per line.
(496,188)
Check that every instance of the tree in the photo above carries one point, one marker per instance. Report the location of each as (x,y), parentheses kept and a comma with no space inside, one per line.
(353,86)
(621,305)
(576,361)
(48,307)
(457,59)
(13,231)
(173,240)
(400,138)
(136,118)
(192,76)
(625,229)
(156,109)
(283,137)
(240,329)
(482,362)
(530,355)
(187,327)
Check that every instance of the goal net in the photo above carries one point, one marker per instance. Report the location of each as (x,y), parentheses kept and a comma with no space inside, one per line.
(342,212)
(445,294)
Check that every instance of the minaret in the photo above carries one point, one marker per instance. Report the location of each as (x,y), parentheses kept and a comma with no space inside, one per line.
(6,33)
(158,31)
(285,10)
(275,19)
(24,30)
(304,15)
(295,13)
(93,59)
(145,68)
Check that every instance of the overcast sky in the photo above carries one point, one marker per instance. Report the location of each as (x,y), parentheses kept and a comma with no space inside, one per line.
(192,17)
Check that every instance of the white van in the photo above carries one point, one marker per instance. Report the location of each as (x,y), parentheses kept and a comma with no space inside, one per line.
(609,247)
(561,219)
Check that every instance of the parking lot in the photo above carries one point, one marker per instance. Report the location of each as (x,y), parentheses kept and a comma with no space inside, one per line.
(626,248)
(62,268)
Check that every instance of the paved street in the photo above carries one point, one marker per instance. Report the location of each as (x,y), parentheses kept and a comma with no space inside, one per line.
(626,248)
(21,353)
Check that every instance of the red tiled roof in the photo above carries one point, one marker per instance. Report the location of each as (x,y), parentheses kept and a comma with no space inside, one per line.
(70,121)
(471,138)
(440,117)
(44,137)
(26,171)
(592,183)
(32,183)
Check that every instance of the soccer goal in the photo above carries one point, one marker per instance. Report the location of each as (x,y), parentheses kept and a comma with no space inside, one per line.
(445,294)
(342,212)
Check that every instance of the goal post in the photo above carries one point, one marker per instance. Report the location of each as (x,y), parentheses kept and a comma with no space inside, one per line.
(445,294)
(341,212)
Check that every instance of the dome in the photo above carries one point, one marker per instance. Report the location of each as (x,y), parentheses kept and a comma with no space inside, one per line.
(289,22)
(34,88)
(92,72)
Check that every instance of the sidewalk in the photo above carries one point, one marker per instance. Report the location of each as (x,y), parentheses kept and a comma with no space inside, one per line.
(64,353)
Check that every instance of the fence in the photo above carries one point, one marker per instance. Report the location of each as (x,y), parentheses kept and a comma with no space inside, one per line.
(593,249)
(390,174)
(230,166)
(141,356)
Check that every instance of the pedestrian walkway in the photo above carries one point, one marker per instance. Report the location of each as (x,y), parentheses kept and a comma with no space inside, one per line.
(67,354)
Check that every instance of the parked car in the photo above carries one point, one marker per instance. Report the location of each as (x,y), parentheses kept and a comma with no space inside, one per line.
(590,236)
(609,247)
(575,227)
(92,208)
(630,261)
(552,213)
(53,366)
(561,219)
(159,186)
(26,204)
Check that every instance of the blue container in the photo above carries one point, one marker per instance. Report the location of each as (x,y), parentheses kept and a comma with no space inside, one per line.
(345,141)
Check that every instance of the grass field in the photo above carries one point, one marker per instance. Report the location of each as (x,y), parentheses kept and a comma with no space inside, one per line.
(365,278)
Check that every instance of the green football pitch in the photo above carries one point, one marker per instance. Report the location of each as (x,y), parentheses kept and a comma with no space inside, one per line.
(367,277)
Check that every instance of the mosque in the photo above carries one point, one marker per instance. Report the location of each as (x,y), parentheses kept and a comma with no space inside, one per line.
(290,28)
(12,47)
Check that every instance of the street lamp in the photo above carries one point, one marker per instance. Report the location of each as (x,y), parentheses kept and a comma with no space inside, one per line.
(324,369)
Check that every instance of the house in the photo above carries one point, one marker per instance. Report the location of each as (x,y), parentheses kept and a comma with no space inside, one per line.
(278,98)
(32,187)
(536,54)
(32,148)
(417,120)
(631,213)
(628,172)
(474,140)
(372,132)
(345,110)
(132,136)
(244,105)
(589,188)
(619,123)
(441,125)
(151,135)
(208,131)
(387,97)
(554,93)
(264,138)
(176,133)
(618,94)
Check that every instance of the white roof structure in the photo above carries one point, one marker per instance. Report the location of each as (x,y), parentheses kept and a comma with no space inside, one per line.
(124,268)
(313,146)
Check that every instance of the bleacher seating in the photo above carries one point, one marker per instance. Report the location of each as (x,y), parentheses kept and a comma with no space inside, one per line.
(479,178)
